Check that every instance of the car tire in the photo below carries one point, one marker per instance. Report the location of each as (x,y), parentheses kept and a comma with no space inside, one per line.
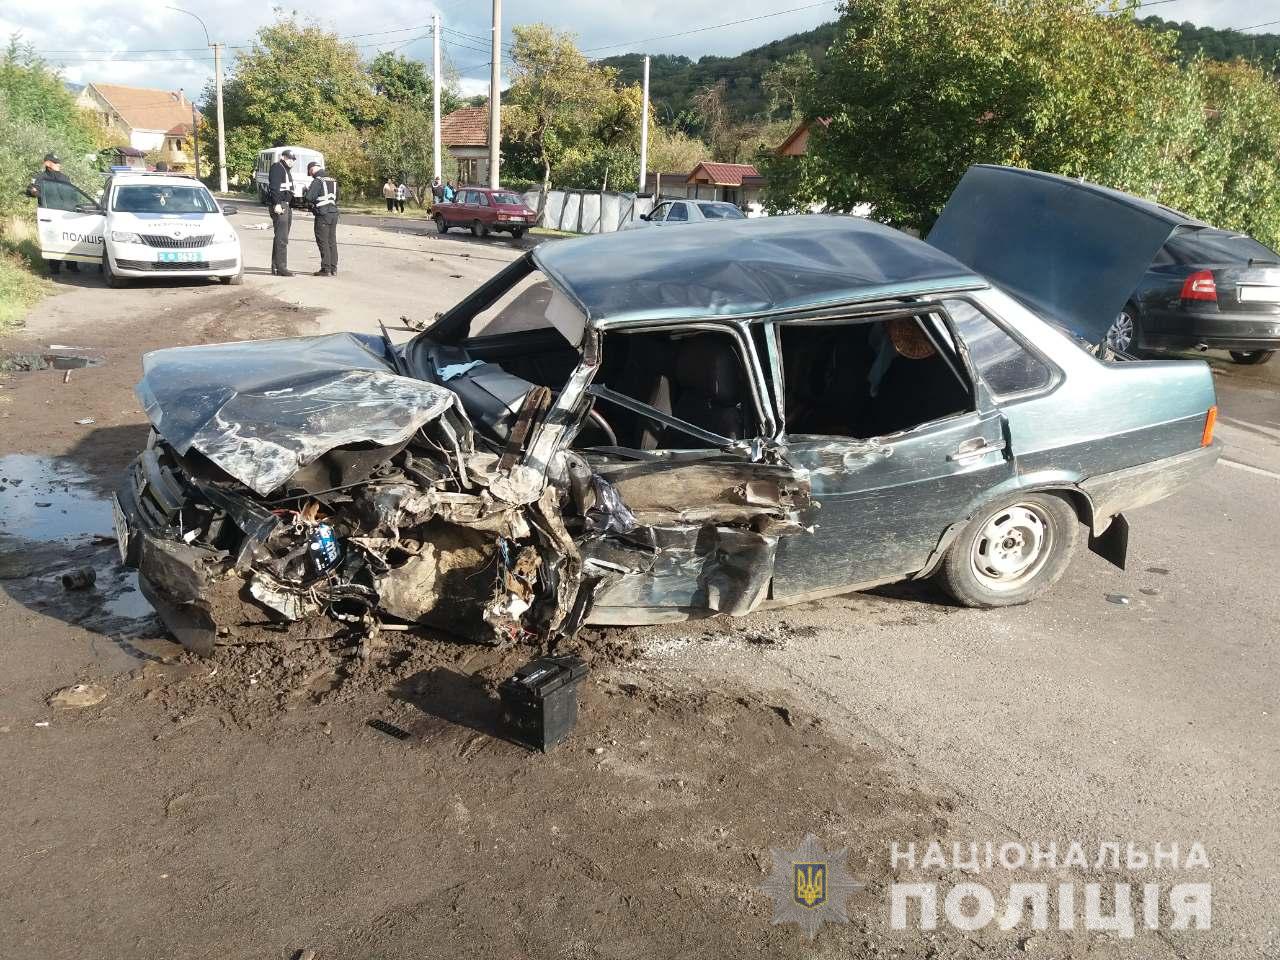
(1011,552)
(1124,334)
(235,280)
(441,224)
(478,229)
(1251,357)
(113,281)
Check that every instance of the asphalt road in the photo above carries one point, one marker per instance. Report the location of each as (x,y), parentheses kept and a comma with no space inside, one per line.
(1136,706)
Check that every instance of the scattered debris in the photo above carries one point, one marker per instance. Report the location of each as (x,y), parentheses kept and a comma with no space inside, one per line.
(1149,591)
(390,729)
(78,696)
(42,723)
(83,421)
(81,579)
(1161,571)
(1118,598)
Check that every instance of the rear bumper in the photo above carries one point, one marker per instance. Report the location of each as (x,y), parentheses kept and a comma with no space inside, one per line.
(1133,487)
(1220,331)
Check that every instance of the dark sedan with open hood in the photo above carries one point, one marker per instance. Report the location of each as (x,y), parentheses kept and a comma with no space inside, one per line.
(752,414)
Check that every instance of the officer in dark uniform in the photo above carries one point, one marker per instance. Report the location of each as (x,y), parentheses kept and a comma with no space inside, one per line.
(280,196)
(53,189)
(322,198)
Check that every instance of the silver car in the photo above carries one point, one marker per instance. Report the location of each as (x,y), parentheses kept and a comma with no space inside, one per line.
(669,212)
(747,415)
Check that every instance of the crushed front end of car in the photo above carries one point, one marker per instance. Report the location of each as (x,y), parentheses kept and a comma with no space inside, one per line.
(311,483)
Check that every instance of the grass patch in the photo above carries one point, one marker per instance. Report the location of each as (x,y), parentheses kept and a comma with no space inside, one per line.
(21,286)
(553,232)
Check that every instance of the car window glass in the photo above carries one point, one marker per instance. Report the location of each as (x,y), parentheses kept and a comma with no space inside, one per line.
(162,198)
(1218,246)
(482,199)
(678,212)
(660,213)
(58,195)
(532,304)
(1005,364)
(720,211)
(508,199)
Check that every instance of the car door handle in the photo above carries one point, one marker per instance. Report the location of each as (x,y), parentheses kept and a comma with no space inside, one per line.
(45,219)
(972,448)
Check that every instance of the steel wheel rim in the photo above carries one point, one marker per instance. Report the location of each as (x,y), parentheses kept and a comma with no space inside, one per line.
(1120,335)
(1012,547)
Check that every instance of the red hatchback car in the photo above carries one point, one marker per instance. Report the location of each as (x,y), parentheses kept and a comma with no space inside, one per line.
(483,209)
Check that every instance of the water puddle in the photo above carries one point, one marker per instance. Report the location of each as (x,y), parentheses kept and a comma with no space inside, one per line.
(53,523)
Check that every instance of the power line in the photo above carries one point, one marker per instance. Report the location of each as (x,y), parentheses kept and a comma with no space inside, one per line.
(714,26)
(1269,23)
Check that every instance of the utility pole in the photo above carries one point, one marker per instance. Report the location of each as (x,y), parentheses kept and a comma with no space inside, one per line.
(644,129)
(222,131)
(495,95)
(217,80)
(435,95)
(195,137)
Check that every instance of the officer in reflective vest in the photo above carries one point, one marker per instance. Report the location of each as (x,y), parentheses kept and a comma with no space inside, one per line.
(322,198)
(280,196)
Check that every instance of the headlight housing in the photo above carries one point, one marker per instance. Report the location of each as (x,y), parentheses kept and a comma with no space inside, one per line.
(124,236)
(224,236)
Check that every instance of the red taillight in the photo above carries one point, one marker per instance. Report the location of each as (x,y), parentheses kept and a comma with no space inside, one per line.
(1200,286)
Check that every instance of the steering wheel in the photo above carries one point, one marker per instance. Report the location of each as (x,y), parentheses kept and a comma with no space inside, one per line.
(603,424)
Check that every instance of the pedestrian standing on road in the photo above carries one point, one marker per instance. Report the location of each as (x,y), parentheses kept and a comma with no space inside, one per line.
(389,194)
(437,189)
(449,192)
(280,195)
(402,194)
(54,191)
(322,198)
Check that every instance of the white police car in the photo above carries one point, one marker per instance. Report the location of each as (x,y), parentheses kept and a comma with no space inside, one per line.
(145,225)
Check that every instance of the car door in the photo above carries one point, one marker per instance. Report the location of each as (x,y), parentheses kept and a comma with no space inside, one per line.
(882,504)
(70,223)
(484,211)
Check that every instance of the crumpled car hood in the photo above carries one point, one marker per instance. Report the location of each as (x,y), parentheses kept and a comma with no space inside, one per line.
(261,410)
(1073,251)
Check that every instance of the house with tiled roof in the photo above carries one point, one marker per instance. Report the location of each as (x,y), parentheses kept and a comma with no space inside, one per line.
(738,183)
(155,121)
(464,138)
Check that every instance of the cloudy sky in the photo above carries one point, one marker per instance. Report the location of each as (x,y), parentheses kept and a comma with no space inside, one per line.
(147,44)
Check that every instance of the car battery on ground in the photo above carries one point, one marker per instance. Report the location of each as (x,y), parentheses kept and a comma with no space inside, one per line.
(540,700)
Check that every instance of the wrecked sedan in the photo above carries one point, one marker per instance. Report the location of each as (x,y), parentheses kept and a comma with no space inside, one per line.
(753,414)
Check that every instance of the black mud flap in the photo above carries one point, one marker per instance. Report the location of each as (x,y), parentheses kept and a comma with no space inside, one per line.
(1112,544)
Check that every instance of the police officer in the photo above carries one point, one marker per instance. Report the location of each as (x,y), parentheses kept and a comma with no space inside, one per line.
(52,188)
(280,196)
(322,198)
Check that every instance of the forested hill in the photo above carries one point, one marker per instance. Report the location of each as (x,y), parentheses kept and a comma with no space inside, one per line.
(1263,48)
(673,80)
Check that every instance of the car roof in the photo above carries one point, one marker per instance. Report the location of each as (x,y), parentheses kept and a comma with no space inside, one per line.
(746,268)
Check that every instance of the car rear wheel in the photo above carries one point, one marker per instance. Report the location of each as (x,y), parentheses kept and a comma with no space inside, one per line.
(478,229)
(113,281)
(1251,357)
(1012,552)
(1122,335)
(441,224)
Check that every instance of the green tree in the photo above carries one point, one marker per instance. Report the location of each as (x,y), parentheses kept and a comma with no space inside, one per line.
(401,147)
(568,111)
(786,83)
(297,80)
(914,91)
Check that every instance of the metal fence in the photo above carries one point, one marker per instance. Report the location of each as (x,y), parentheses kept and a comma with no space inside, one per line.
(589,211)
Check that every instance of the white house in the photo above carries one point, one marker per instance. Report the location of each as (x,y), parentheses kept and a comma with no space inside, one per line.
(153,120)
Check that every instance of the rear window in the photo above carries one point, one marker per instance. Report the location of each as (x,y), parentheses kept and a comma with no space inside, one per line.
(1218,246)
(509,199)
(721,211)
(163,198)
(1005,364)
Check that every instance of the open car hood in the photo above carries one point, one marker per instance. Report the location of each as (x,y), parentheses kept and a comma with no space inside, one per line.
(263,409)
(1072,251)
